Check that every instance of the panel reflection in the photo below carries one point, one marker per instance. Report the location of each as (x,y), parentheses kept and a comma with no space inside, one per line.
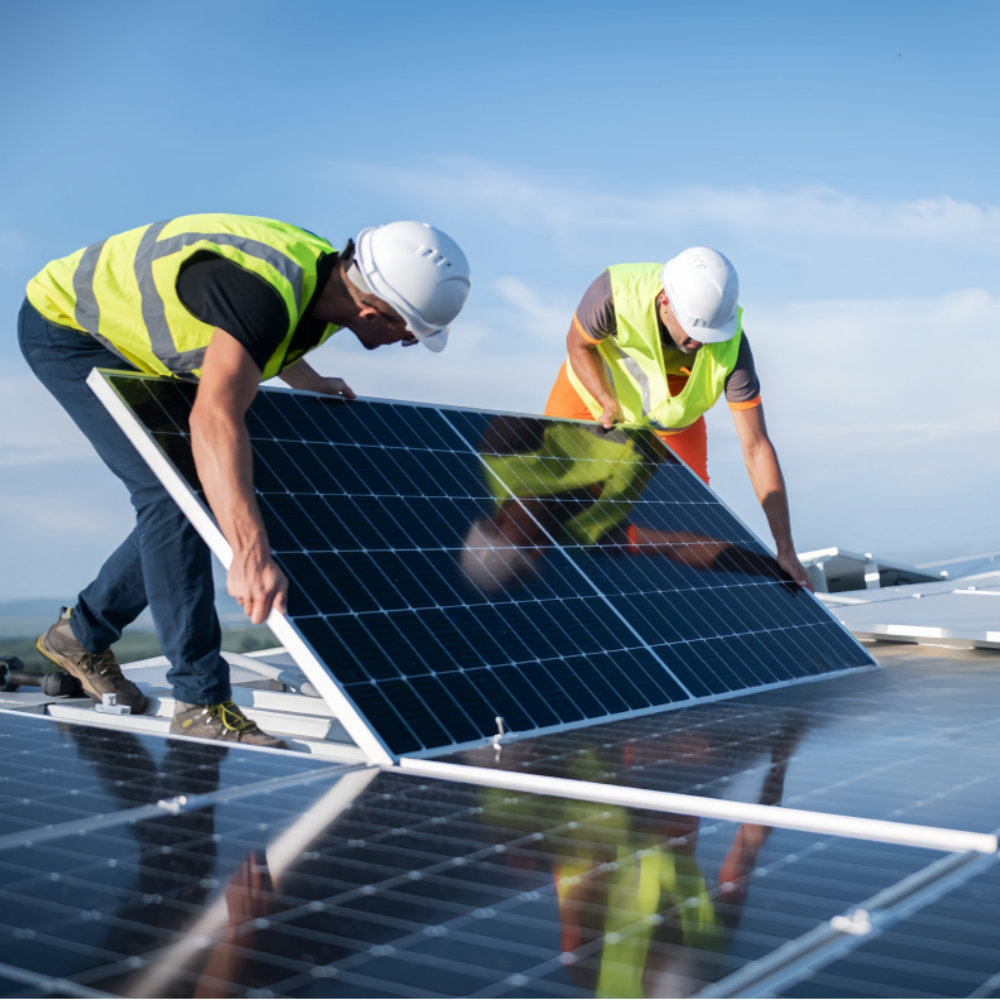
(579,485)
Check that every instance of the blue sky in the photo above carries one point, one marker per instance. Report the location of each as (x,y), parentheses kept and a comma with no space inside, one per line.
(843,155)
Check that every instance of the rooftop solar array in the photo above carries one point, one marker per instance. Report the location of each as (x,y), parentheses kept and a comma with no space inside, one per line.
(133,865)
(400,887)
(946,949)
(462,572)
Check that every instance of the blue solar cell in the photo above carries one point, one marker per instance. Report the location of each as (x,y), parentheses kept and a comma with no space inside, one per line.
(384,718)
(332,650)
(690,669)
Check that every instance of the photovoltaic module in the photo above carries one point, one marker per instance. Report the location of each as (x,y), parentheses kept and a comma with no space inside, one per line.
(456,573)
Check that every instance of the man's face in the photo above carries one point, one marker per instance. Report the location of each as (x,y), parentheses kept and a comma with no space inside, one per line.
(669,319)
(378,325)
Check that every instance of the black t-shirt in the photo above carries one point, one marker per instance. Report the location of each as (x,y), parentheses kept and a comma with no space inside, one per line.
(225,295)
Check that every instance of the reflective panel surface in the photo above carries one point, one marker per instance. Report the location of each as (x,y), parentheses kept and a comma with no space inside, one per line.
(455,568)
(916,742)
(950,948)
(379,884)
(61,773)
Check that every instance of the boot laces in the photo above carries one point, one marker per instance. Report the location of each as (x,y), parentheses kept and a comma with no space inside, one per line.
(230,716)
(102,663)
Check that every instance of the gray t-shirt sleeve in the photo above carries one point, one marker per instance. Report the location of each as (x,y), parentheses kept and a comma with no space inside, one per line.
(742,383)
(596,312)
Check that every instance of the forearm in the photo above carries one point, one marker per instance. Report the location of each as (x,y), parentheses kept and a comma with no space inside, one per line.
(769,486)
(303,376)
(589,368)
(224,462)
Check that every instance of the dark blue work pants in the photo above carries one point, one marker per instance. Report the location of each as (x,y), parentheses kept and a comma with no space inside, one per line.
(163,563)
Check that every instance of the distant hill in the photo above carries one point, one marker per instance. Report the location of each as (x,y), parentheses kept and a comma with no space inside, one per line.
(29,618)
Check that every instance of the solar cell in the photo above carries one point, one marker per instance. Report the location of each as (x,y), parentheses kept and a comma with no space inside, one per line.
(457,571)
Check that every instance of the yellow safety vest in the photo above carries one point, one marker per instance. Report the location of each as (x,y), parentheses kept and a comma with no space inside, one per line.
(123,290)
(634,359)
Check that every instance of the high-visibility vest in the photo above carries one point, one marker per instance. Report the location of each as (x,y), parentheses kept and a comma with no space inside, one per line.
(634,358)
(123,290)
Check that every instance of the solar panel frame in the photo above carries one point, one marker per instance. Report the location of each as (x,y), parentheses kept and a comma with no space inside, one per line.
(175,469)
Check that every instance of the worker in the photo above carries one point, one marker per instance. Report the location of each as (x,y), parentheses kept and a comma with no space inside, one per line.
(657,345)
(231,301)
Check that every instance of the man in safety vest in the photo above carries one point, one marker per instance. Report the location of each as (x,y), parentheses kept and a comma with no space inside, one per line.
(230,300)
(657,345)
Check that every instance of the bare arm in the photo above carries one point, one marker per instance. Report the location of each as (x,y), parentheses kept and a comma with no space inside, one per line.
(590,370)
(769,485)
(302,375)
(222,455)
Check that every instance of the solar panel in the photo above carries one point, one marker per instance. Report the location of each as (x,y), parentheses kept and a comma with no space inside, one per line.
(453,571)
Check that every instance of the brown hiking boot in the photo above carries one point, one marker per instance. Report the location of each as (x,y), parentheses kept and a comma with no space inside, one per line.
(99,673)
(224,721)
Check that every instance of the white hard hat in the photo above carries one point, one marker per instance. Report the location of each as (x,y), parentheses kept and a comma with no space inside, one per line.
(420,271)
(704,290)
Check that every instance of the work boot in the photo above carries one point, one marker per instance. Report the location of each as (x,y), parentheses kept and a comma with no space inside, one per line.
(223,721)
(99,673)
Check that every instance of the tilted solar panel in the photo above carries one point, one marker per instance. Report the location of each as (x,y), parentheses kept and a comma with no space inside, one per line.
(454,568)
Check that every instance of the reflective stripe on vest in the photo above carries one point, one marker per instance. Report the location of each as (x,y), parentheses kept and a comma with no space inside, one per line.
(157,334)
(634,358)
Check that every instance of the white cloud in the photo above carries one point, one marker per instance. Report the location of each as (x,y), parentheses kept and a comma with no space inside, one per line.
(884,415)
(521,201)
(914,370)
